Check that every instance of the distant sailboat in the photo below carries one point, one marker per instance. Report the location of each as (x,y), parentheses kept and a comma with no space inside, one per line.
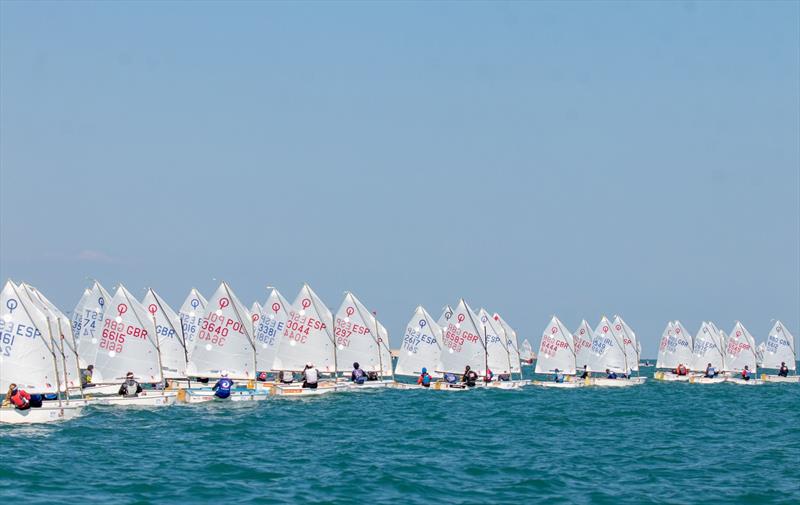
(174,356)
(359,339)
(582,340)
(741,353)
(675,348)
(421,346)
(192,312)
(87,320)
(779,348)
(557,356)
(608,353)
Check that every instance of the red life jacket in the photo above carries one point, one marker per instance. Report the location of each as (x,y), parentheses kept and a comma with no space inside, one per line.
(20,399)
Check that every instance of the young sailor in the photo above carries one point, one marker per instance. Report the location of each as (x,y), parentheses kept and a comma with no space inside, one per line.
(469,377)
(610,374)
(681,370)
(746,373)
(21,399)
(357,375)
(286,377)
(130,387)
(489,376)
(585,374)
(783,371)
(424,378)
(86,377)
(310,376)
(222,389)
(711,372)
(558,376)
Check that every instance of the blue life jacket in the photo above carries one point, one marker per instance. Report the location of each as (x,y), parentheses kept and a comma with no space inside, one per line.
(359,377)
(223,388)
(426,379)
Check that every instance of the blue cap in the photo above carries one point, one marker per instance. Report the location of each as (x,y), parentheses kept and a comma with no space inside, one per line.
(424,370)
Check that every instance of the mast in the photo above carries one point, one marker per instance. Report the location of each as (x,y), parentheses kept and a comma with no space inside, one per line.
(250,337)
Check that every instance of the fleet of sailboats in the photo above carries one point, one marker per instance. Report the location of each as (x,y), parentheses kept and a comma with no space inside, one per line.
(264,349)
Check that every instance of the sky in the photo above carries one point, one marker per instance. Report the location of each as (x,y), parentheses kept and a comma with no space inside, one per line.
(578,159)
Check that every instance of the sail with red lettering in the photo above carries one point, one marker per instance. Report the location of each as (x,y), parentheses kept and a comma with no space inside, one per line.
(224,341)
(87,318)
(308,337)
(255,315)
(270,328)
(582,341)
(630,345)
(556,349)
(27,354)
(357,333)
(174,356)
(741,349)
(511,343)
(462,344)
(191,313)
(666,348)
(127,342)
(498,358)
(421,346)
(779,348)
(684,346)
(607,350)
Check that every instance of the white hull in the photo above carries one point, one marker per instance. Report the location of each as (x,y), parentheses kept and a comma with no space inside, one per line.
(614,383)
(670,377)
(506,384)
(444,386)
(553,384)
(105,389)
(352,386)
(145,399)
(699,379)
(777,378)
(751,382)
(205,395)
(298,391)
(45,414)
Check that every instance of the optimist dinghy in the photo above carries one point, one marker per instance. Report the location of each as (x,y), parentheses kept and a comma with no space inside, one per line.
(29,358)
(779,348)
(741,352)
(421,348)
(557,353)
(709,348)
(674,349)
(462,346)
(608,353)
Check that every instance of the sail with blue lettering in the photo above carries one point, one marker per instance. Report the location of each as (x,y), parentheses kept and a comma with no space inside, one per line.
(225,343)
(87,319)
(27,354)
(556,349)
(270,328)
(607,350)
(779,348)
(174,356)
(356,332)
(192,312)
(462,344)
(421,346)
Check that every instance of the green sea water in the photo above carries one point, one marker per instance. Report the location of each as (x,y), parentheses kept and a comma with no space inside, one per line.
(657,443)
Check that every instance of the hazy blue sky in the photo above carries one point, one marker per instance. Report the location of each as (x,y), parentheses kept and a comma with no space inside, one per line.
(535,158)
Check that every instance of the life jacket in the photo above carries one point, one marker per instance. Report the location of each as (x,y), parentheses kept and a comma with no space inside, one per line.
(745,374)
(21,399)
(426,379)
(359,377)
(262,376)
(312,376)
(287,376)
(129,388)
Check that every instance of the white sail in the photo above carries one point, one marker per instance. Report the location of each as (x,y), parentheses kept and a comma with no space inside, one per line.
(355,330)
(498,358)
(192,312)
(760,351)
(462,342)
(385,352)
(527,351)
(556,349)
(421,347)
(87,319)
(511,343)
(707,349)
(255,315)
(741,349)
(582,341)
(270,328)
(308,337)
(225,341)
(447,313)
(607,350)
(27,356)
(666,348)
(170,335)
(624,333)
(127,342)
(779,348)
(684,345)
(60,329)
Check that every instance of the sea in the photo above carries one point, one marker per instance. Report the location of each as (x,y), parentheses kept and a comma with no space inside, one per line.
(670,443)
